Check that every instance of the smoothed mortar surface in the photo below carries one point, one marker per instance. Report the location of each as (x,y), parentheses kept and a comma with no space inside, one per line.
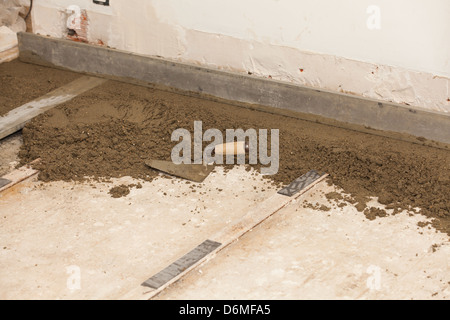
(22,82)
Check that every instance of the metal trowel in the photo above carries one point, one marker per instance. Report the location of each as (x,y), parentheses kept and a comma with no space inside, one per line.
(193,172)
(197,172)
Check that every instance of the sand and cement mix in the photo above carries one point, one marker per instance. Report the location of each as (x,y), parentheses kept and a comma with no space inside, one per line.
(21,82)
(111,130)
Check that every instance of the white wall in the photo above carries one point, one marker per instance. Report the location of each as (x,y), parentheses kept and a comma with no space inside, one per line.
(322,43)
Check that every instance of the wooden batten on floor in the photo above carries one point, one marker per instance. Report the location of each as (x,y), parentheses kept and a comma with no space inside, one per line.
(229,235)
(19,175)
(16,119)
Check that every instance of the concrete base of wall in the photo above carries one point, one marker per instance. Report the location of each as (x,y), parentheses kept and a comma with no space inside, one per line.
(343,110)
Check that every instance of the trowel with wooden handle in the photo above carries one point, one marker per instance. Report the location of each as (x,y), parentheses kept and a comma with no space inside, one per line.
(197,172)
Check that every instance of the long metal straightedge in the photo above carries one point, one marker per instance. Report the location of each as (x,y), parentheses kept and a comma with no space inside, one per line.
(207,250)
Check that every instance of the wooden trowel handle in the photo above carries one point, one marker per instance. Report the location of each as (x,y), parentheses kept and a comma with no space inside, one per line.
(235,148)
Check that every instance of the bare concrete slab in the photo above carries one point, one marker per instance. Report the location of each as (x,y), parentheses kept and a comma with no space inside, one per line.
(255,215)
(304,253)
(74,241)
(53,234)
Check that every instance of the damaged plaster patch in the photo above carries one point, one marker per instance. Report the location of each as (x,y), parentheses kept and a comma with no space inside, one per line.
(409,87)
(321,71)
(392,84)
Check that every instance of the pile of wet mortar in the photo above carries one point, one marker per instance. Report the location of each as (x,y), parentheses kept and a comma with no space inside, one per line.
(111,130)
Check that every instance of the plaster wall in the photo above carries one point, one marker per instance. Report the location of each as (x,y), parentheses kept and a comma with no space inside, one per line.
(389,50)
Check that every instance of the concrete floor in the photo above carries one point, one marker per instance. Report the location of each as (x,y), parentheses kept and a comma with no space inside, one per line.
(302,253)
(66,240)
(116,244)
(74,241)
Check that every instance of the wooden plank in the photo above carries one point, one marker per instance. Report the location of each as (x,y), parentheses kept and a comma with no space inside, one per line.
(231,233)
(17,118)
(260,213)
(19,175)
